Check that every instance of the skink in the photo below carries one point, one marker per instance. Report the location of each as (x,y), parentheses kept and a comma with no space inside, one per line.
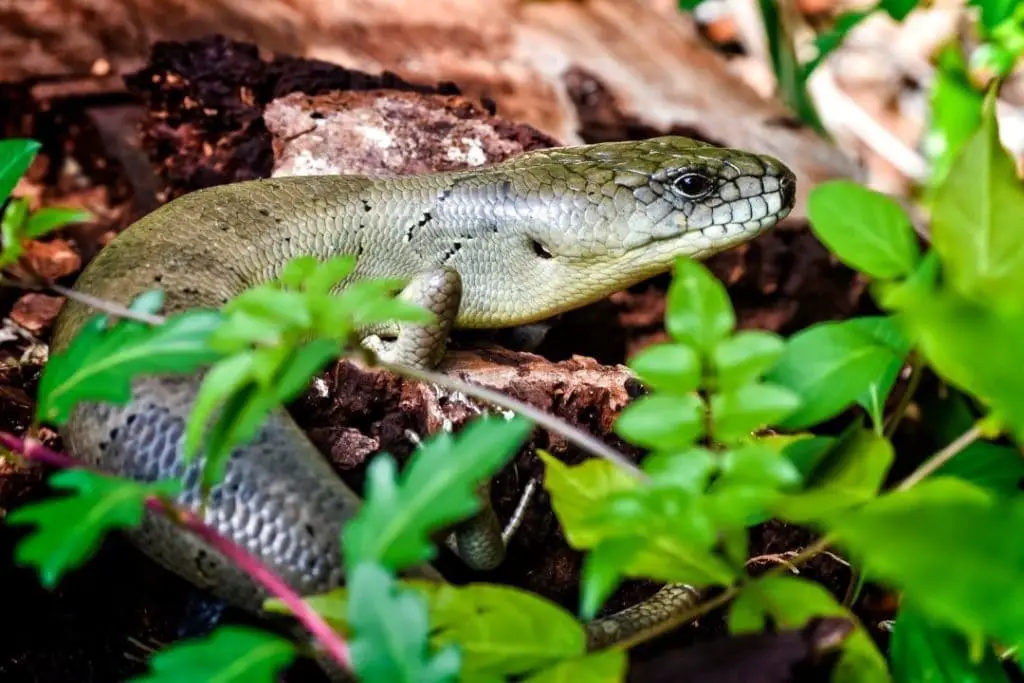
(495,246)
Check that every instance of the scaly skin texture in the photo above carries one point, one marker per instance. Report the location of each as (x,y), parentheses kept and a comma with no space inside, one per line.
(499,246)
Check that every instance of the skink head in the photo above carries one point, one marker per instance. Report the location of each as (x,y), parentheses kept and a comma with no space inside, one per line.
(580,223)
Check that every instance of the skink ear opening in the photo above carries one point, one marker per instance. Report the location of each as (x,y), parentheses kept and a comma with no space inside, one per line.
(540,250)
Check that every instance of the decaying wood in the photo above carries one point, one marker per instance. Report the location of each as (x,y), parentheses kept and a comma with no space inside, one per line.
(521,54)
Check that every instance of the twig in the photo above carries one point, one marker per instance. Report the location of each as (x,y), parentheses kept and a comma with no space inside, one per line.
(916,372)
(109,307)
(579,437)
(333,643)
(941,458)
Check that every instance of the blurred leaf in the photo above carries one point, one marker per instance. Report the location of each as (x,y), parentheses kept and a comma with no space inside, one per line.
(737,414)
(101,361)
(955,108)
(975,348)
(662,421)
(690,469)
(999,469)
(12,231)
(669,368)
(792,603)
(827,42)
(974,217)
(71,528)
(853,472)
(833,364)
(392,629)
(16,156)
(898,9)
(791,76)
(605,666)
(994,12)
(503,631)
(867,230)
(757,464)
(804,450)
(953,550)
(698,312)
(603,571)
(437,489)
(48,219)
(745,357)
(922,651)
(231,654)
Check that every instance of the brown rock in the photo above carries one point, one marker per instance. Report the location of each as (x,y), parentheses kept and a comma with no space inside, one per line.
(36,312)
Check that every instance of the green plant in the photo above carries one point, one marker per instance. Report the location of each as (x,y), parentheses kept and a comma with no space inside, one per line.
(728,426)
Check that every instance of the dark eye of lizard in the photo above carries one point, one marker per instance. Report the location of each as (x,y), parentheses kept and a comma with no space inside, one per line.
(693,185)
(540,250)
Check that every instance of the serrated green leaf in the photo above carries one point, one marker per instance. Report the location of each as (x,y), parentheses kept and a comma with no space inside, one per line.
(922,651)
(605,666)
(231,654)
(16,156)
(697,307)
(974,218)
(575,492)
(865,229)
(437,489)
(833,364)
(503,631)
(48,219)
(70,528)
(736,414)
(392,629)
(100,363)
(792,603)
(669,368)
(662,421)
(744,357)
(950,547)
(853,472)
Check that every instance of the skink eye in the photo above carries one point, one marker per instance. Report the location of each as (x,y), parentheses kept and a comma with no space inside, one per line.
(693,185)
(540,250)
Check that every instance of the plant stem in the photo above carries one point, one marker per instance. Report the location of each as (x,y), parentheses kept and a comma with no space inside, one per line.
(333,643)
(916,372)
(579,437)
(109,307)
(942,457)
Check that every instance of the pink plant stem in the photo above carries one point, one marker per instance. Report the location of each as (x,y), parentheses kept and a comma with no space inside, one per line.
(334,644)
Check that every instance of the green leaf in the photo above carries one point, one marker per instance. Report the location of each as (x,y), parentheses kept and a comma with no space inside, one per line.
(793,603)
(231,654)
(994,12)
(950,547)
(689,470)
(16,156)
(756,464)
(831,365)
(745,357)
(101,362)
(805,451)
(738,413)
(605,666)
(791,75)
(503,631)
(955,108)
(867,230)
(670,368)
(392,630)
(438,488)
(828,41)
(70,528)
(922,651)
(698,311)
(974,218)
(48,219)
(603,570)
(898,9)
(999,469)
(576,491)
(12,228)
(662,421)
(853,472)
(974,347)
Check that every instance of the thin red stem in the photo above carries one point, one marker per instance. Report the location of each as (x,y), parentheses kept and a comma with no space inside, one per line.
(333,643)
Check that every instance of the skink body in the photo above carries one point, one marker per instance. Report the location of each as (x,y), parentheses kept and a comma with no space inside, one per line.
(496,246)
